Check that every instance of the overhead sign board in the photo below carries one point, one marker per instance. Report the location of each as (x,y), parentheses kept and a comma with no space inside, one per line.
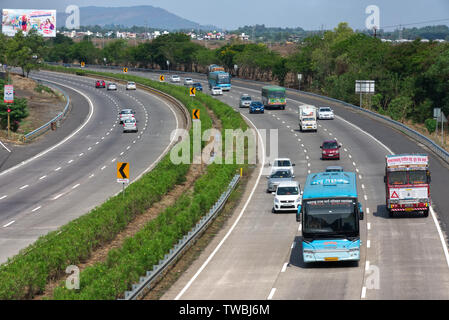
(8,93)
(123,172)
(364,86)
(43,21)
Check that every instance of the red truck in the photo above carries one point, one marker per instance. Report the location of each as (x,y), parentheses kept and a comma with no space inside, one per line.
(407,183)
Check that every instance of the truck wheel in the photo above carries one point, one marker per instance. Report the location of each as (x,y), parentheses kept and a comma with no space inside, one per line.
(426,213)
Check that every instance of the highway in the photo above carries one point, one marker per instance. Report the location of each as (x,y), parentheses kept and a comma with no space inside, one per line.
(401,258)
(62,182)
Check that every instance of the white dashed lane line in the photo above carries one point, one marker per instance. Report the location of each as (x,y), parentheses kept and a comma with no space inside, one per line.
(3,197)
(8,224)
(24,187)
(35,209)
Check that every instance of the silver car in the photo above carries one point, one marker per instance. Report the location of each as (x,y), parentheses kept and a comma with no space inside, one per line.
(188,81)
(277,177)
(112,86)
(245,101)
(130,125)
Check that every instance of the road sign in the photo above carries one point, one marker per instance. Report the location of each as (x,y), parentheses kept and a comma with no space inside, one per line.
(82,64)
(125,70)
(123,172)
(8,93)
(192,91)
(364,86)
(161,78)
(437,113)
(196,114)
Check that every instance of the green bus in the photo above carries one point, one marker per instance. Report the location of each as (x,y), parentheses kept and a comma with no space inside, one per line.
(274,97)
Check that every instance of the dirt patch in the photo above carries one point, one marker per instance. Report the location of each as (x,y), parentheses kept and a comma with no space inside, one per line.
(42,106)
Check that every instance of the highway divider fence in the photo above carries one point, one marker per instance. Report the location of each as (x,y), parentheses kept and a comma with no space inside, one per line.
(183,244)
(53,123)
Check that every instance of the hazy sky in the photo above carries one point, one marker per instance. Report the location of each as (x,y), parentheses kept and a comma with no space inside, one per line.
(309,14)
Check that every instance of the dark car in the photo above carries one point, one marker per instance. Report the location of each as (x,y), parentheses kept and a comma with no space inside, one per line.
(197,86)
(256,106)
(330,150)
(100,84)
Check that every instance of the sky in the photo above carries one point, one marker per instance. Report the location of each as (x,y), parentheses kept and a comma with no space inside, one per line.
(308,14)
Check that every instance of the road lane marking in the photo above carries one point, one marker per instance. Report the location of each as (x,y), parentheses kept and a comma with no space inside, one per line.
(43,177)
(58,168)
(24,187)
(368,243)
(3,197)
(235,222)
(104,167)
(270,296)
(284,267)
(367,265)
(368,226)
(35,209)
(366,198)
(70,161)
(76,186)
(8,224)
(58,196)
(363,293)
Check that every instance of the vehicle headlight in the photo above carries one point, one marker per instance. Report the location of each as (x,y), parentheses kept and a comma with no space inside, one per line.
(276,200)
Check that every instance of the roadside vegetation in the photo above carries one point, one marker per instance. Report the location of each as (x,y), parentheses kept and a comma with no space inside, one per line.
(27,274)
(411,78)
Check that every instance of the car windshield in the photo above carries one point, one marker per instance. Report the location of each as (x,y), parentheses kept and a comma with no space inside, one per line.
(282,163)
(287,191)
(330,145)
(334,169)
(216,88)
(330,216)
(256,104)
(308,119)
(125,112)
(246,98)
(188,79)
(282,174)
(197,84)
(325,109)
(397,177)
(418,177)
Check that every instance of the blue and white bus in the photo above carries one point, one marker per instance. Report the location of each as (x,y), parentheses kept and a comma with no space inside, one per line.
(220,79)
(330,213)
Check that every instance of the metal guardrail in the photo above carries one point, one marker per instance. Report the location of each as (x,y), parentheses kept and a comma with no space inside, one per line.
(182,245)
(55,121)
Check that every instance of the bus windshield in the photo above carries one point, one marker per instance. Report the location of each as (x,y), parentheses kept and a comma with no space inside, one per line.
(397,177)
(276,94)
(223,79)
(332,216)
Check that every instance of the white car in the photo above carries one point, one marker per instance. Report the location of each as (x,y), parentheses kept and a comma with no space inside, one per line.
(131,85)
(130,124)
(112,86)
(175,78)
(325,113)
(216,91)
(126,114)
(188,81)
(287,197)
(282,163)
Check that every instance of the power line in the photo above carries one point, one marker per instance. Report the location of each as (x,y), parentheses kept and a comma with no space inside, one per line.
(414,23)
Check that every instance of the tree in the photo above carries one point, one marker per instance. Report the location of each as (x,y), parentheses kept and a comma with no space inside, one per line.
(25,51)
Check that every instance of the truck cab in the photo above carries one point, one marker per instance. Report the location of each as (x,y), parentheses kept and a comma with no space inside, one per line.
(307,118)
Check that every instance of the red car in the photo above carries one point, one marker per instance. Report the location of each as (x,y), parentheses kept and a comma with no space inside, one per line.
(100,84)
(330,150)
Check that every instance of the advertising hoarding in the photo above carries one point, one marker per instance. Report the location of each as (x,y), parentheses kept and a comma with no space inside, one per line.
(43,21)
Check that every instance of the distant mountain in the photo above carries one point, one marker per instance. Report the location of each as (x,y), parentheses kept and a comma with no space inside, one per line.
(149,16)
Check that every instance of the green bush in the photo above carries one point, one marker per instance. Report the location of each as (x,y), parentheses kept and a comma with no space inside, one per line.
(431,125)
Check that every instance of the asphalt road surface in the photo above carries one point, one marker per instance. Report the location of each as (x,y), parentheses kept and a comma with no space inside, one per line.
(58,184)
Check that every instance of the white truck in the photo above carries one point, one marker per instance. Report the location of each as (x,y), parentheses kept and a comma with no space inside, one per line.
(307,117)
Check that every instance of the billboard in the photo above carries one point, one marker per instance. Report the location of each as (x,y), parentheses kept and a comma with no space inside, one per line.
(44,21)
